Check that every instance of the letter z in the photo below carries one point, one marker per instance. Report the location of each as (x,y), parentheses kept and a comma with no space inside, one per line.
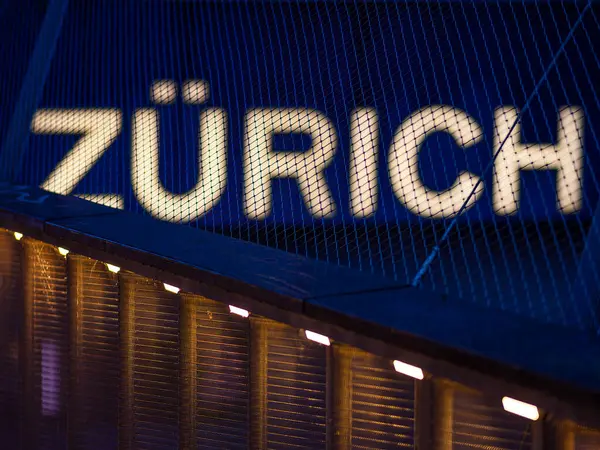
(99,129)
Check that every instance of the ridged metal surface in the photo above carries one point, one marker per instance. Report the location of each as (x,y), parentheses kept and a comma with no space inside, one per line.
(587,440)
(155,366)
(185,366)
(10,292)
(222,387)
(483,424)
(383,404)
(296,390)
(47,275)
(94,293)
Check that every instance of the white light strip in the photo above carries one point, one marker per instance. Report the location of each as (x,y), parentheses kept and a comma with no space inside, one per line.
(18,236)
(238,311)
(520,408)
(173,289)
(317,337)
(63,251)
(407,369)
(113,269)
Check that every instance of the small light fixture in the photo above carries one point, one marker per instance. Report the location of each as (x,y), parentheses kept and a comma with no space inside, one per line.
(18,236)
(113,269)
(520,408)
(407,369)
(63,251)
(317,337)
(173,289)
(238,311)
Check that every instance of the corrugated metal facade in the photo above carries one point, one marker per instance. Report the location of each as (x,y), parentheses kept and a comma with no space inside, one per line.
(222,374)
(296,390)
(482,424)
(153,357)
(94,306)
(45,297)
(383,404)
(587,440)
(115,361)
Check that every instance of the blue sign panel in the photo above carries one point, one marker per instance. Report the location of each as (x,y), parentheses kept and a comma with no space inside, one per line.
(289,113)
(361,133)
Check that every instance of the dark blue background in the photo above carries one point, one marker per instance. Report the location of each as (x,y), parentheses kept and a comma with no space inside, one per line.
(336,56)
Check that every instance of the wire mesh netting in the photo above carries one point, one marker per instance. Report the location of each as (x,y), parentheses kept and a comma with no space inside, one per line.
(451,145)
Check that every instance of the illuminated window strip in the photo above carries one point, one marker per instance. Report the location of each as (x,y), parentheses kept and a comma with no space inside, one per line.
(317,337)
(173,289)
(520,408)
(407,369)
(238,311)
(113,269)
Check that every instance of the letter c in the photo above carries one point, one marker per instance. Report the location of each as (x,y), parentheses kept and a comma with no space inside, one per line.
(403,162)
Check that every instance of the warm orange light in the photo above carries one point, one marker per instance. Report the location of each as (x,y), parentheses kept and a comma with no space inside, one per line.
(407,369)
(238,311)
(113,269)
(317,337)
(520,408)
(173,289)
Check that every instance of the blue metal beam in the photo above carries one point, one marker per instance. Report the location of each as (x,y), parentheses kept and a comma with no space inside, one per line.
(31,90)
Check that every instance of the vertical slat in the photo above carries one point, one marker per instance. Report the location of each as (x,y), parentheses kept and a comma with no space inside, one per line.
(30,389)
(10,314)
(75,303)
(480,422)
(50,342)
(564,436)
(328,398)
(443,415)
(258,382)
(222,388)
(156,368)
(543,432)
(383,404)
(127,344)
(187,418)
(341,386)
(296,390)
(93,302)
(424,413)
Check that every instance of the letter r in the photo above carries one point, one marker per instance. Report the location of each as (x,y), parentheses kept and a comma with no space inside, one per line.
(262,163)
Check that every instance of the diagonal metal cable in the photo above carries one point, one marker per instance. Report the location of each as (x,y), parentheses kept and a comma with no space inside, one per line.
(436,249)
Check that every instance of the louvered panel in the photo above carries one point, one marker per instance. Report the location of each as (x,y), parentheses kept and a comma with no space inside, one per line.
(155,366)
(296,390)
(48,283)
(587,440)
(383,404)
(10,292)
(222,377)
(94,293)
(480,423)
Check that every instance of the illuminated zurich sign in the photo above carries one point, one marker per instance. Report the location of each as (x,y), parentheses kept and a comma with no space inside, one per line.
(298,113)
(98,129)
